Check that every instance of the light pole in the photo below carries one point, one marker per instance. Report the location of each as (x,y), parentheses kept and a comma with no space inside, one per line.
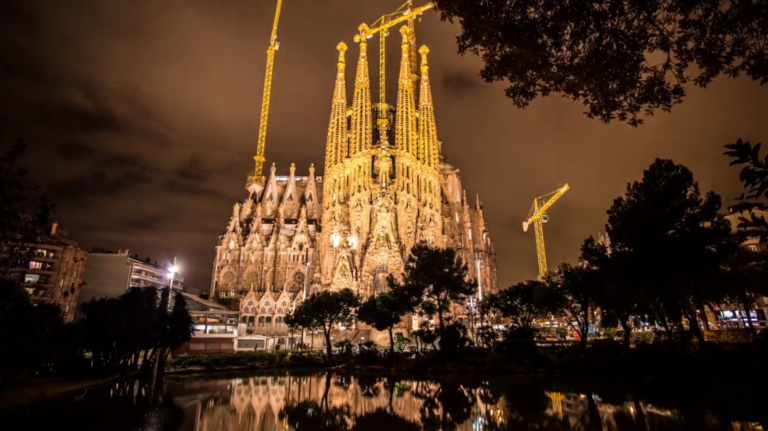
(479,283)
(472,318)
(479,277)
(304,294)
(172,272)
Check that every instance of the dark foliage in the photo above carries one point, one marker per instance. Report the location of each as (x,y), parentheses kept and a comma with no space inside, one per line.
(439,277)
(30,336)
(324,310)
(134,329)
(20,212)
(387,309)
(521,303)
(572,292)
(672,241)
(621,59)
(754,176)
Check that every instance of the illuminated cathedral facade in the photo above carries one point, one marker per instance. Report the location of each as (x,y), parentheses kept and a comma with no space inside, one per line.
(384,189)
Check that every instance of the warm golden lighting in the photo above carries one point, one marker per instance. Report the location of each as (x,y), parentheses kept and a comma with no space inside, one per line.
(538,217)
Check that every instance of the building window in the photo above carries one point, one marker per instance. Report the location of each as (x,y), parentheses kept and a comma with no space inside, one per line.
(261,320)
(279,321)
(31,278)
(268,321)
(752,248)
(35,265)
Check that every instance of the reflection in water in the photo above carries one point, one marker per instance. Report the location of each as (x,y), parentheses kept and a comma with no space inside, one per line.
(329,401)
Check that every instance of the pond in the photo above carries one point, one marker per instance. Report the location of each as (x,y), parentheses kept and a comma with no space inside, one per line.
(340,401)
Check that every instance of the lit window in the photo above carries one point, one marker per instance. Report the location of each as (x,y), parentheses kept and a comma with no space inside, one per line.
(31,278)
(35,265)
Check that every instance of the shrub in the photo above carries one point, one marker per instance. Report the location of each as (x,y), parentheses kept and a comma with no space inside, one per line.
(606,346)
(453,338)
(368,357)
(212,361)
(343,347)
(518,342)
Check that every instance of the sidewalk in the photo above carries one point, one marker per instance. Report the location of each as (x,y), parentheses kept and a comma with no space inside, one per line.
(46,389)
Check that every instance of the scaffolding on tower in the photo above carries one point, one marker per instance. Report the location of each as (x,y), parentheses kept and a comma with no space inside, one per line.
(405,13)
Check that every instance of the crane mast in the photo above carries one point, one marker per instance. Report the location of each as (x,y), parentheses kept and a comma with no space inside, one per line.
(537,216)
(382,26)
(274,45)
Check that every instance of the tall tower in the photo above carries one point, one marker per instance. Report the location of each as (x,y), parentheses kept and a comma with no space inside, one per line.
(381,194)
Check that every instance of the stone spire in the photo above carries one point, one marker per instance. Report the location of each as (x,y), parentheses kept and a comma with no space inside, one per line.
(406,135)
(428,146)
(336,146)
(361,104)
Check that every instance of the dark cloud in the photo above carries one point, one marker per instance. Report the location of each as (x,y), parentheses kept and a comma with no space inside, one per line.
(97,184)
(192,189)
(459,83)
(71,118)
(193,171)
(84,152)
(75,150)
(146,223)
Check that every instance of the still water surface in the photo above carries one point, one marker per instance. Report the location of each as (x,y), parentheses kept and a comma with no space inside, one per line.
(330,401)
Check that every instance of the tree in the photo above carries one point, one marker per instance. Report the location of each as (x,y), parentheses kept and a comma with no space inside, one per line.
(754,176)
(387,309)
(744,278)
(180,323)
(438,276)
(620,58)
(521,303)
(20,214)
(621,295)
(118,330)
(572,291)
(675,241)
(28,333)
(325,310)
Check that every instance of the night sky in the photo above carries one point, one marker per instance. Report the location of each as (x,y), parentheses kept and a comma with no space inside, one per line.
(142,119)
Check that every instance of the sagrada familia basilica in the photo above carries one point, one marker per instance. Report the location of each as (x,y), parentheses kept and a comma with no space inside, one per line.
(384,189)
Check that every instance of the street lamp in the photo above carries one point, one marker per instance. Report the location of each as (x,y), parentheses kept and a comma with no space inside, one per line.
(306,277)
(172,272)
(304,294)
(479,283)
(472,317)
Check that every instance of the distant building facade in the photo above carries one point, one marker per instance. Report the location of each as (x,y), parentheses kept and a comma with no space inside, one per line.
(48,264)
(109,274)
(731,315)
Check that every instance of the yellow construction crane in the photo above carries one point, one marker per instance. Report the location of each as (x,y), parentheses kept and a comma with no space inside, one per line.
(557,403)
(405,12)
(274,45)
(538,216)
